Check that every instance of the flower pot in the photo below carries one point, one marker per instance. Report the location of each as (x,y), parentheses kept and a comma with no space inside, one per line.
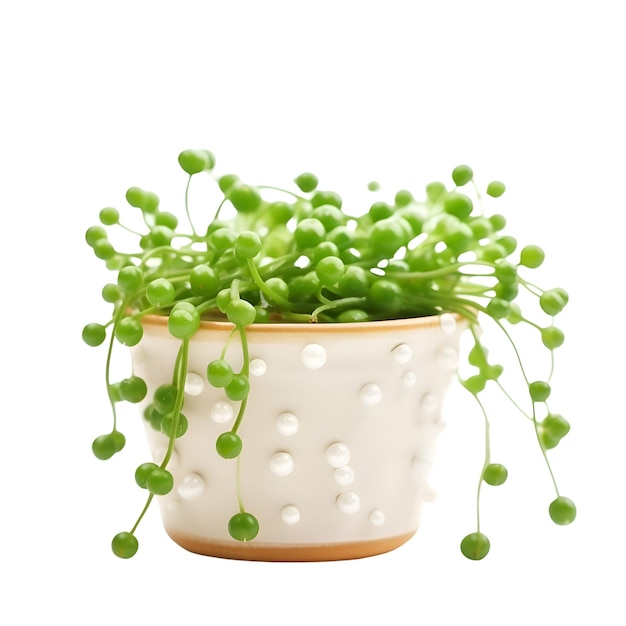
(338,435)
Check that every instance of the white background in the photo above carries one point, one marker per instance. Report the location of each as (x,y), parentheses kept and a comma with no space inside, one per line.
(99,96)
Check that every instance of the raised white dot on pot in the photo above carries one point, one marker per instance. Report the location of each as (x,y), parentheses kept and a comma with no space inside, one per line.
(371,394)
(290,514)
(348,502)
(429,494)
(159,455)
(344,475)
(409,379)
(376,518)
(447,322)
(281,464)
(419,467)
(222,412)
(258,367)
(428,402)
(338,454)
(287,424)
(191,486)
(313,356)
(402,353)
(194,384)
(448,357)
(172,504)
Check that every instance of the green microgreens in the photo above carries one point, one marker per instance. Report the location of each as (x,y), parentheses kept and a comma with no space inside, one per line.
(306,259)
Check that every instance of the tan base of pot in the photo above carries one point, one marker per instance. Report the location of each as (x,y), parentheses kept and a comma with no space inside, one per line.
(293,553)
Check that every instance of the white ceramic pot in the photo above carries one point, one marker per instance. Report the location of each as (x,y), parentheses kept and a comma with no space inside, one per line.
(338,435)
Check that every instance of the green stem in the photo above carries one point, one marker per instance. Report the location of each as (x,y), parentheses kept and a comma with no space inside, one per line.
(143,512)
(290,193)
(486,461)
(330,305)
(269,293)
(193,230)
(443,271)
(245,371)
(508,396)
(119,313)
(180,374)
(544,452)
(219,208)
(129,230)
(227,342)
(242,509)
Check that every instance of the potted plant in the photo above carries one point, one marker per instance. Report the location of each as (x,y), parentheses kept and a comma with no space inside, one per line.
(285,331)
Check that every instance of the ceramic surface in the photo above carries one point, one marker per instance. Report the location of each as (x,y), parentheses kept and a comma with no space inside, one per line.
(338,435)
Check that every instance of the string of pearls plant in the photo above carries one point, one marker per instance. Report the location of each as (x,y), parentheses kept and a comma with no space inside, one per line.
(304,259)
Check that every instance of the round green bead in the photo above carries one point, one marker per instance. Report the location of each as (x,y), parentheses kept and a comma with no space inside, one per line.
(160,292)
(475,546)
(163,218)
(329,215)
(495,189)
(552,429)
(111,293)
(326,197)
(562,511)
(403,198)
(129,278)
(222,239)
(183,322)
(219,373)
(103,249)
(124,545)
(95,234)
(167,425)
(306,182)
(164,399)
(104,446)
(434,191)
(226,181)
(309,233)
(244,198)
(386,295)
(109,216)
(462,174)
(457,204)
(329,270)
(247,245)
(552,337)
(238,388)
(142,473)
(204,281)
(380,211)
(229,445)
(128,331)
(195,161)
(553,301)
(353,315)
(539,391)
(495,474)
(141,199)
(159,482)
(475,384)
(531,256)
(243,527)
(133,389)
(240,312)
(94,334)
